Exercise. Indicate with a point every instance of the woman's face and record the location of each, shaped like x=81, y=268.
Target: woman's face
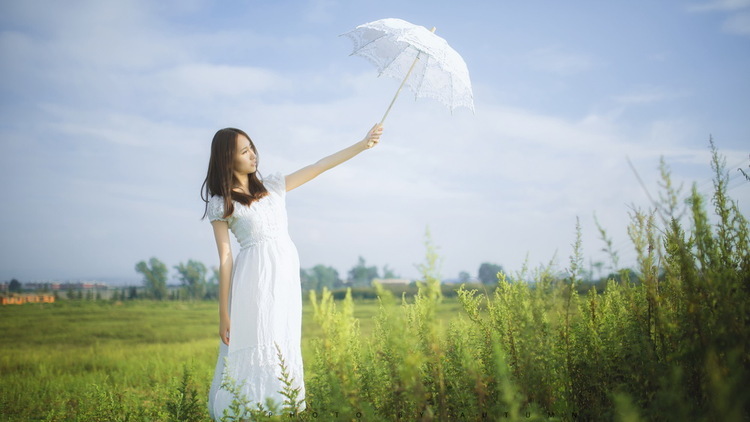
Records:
x=245, y=161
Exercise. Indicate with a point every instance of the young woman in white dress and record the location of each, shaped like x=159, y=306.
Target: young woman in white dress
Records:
x=259, y=290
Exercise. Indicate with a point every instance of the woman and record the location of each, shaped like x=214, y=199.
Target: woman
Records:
x=259, y=292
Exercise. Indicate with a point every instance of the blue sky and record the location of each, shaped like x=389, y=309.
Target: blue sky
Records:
x=107, y=110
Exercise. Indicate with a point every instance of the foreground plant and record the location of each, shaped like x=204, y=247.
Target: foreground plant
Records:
x=242, y=408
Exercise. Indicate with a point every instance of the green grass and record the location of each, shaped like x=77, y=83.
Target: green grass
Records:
x=54, y=354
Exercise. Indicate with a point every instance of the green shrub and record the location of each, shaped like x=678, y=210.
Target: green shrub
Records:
x=185, y=403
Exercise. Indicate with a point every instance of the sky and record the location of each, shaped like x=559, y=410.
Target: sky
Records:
x=108, y=108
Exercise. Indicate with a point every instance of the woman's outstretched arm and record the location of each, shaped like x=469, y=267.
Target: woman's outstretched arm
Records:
x=310, y=172
x=221, y=234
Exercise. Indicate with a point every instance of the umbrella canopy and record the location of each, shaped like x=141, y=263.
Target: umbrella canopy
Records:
x=400, y=49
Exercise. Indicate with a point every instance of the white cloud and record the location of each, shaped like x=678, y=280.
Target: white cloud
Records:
x=556, y=60
x=321, y=11
x=738, y=20
x=738, y=23
x=723, y=5
x=116, y=35
x=644, y=97
x=199, y=81
x=646, y=94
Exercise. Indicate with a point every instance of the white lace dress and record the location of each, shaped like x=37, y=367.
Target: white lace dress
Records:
x=265, y=302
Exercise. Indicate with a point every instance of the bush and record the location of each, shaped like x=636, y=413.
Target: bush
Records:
x=185, y=403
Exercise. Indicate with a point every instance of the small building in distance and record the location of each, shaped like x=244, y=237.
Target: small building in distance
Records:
x=470, y=280
x=30, y=298
x=392, y=281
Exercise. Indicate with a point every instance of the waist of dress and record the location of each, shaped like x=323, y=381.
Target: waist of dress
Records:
x=257, y=240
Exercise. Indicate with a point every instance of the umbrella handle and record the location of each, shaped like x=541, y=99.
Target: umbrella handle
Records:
x=402, y=83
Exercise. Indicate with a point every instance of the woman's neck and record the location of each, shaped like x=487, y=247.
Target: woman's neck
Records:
x=243, y=182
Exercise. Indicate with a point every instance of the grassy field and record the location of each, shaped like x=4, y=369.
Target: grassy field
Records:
x=54, y=355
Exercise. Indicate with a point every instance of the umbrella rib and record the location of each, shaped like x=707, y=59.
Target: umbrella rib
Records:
x=421, y=80
x=396, y=57
x=453, y=94
x=366, y=44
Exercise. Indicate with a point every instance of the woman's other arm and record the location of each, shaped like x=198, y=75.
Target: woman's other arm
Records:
x=310, y=172
x=221, y=234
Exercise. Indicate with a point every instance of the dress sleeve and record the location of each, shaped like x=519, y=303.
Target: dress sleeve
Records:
x=216, y=208
x=275, y=182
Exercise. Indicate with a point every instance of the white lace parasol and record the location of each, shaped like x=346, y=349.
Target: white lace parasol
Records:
x=400, y=49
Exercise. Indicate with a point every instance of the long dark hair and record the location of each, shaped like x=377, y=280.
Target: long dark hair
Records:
x=221, y=179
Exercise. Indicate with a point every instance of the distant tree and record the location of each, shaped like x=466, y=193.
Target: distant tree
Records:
x=123, y=294
x=98, y=295
x=14, y=286
x=388, y=272
x=212, y=284
x=79, y=294
x=464, y=277
x=488, y=272
x=193, y=277
x=624, y=275
x=132, y=293
x=320, y=276
x=154, y=278
x=214, y=279
x=598, y=266
x=70, y=294
x=89, y=295
x=362, y=275
x=304, y=278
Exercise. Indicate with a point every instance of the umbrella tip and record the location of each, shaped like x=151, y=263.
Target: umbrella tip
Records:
x=433, y=29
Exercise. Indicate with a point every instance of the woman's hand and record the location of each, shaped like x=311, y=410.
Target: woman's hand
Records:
x=373, y=136
x=224, y=329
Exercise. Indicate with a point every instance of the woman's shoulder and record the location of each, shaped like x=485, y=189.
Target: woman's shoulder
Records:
x=217, y=199
x=275, y=181
x=273, y=177
x=216, y=208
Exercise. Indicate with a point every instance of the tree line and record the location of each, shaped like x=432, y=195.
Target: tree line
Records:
x=197, y=283
x=192, y=276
